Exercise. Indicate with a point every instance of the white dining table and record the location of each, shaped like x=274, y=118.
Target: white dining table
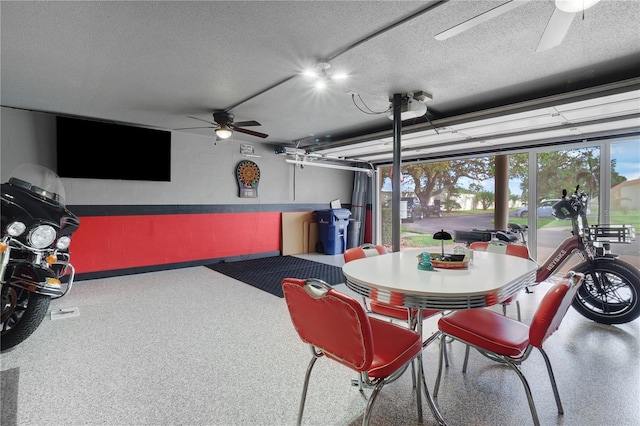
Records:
x=488, y=279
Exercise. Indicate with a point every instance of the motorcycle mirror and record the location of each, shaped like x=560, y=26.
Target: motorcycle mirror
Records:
x=564, y=193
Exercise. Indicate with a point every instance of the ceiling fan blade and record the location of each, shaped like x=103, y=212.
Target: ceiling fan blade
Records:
x=196, y=118
x=479, y=19
x=556, y=29
x=246, y=123
x=189, y=128
x=249, y=132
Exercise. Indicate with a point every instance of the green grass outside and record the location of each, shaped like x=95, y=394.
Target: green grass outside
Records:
x=413, y=238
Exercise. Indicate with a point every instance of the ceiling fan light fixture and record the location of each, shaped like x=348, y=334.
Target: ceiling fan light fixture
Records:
x=223, y=132
x=573, y=6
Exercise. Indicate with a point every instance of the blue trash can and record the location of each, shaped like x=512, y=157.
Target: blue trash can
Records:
x=332, y=230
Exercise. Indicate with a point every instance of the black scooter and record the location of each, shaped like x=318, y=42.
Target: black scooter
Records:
x=34, y=250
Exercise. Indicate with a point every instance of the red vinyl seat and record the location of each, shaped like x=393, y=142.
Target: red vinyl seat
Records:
x=337, y=326
x=507, y=340
x=503, y=248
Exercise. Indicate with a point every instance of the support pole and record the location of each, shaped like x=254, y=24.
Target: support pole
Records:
x=501, y=213
x=396, y=191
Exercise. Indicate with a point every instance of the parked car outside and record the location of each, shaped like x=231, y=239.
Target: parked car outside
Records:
x=414, y=209
x=544, y=209
x=432, y=210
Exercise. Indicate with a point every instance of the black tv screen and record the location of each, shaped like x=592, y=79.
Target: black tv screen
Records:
x=98, y=150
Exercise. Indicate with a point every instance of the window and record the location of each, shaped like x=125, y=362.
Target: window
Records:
x=463, y=190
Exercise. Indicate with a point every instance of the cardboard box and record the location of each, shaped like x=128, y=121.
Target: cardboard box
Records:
x=313, y=237
x=299, y=233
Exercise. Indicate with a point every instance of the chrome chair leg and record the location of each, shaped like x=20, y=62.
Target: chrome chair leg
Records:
x=359, y=382
x=446, y=356
x=306, y=386
x=430, y=399
x=553, y=381
x=527, y=390
x=514, y=366
x=415, y=324
x=419, y=373
x=413, y=375
x=436, y=386
x=372, y=398
x=378, y=387
x=466, y=359
x=504, y=310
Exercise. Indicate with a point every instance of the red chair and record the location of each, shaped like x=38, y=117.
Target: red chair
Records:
x=381, y=308
x=385, y=309
x=337, y=326
x=503, y=248
x=507, y=340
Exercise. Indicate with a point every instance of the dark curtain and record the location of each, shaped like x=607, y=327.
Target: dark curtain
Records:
x=360, y=209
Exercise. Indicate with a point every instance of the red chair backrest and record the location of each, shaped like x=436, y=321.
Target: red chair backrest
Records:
x=333, y=322
x=510, y=249
x=553, y=307
x=365, y=250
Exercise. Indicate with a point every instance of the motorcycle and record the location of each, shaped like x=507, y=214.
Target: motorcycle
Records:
x=610, y=290
x=34, y=250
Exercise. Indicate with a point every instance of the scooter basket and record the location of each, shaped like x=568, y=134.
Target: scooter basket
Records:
x=612, y=233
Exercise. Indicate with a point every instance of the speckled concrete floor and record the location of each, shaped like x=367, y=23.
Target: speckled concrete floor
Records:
x=194, y=347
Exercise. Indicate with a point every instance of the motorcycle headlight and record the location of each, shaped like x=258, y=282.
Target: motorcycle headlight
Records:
x=63, y=243
x=42, y=236
x=16, y=229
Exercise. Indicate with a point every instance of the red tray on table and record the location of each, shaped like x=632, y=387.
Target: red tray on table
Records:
x=446, y=262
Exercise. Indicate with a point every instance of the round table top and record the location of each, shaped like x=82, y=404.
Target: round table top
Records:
x=395, y=278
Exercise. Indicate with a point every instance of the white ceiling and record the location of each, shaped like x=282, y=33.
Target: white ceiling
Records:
x=154, y=63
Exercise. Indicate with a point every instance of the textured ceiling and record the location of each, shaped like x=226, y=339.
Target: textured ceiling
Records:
x=155, y=63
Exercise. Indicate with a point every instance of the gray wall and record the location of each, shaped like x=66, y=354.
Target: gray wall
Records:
x=201, y=172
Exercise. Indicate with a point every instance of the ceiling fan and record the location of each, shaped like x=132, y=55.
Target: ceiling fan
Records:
x=225, y=126
x=557, y=27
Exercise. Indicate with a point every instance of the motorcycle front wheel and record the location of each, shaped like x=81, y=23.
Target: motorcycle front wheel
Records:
x=616, y=302
x=22, y=313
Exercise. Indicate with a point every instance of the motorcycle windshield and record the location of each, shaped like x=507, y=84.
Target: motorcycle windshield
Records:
x=40, y=180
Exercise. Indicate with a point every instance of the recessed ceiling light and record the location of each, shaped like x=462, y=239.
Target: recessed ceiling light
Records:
x=322, y=75
x=573, y=6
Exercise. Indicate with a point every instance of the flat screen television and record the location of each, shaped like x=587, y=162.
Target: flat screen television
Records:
x=99, y=150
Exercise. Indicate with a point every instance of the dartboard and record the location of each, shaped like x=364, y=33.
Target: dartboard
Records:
x=248, y=176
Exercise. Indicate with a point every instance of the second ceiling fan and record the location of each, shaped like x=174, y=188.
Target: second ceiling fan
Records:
x=554, y=33
x=225, y=126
